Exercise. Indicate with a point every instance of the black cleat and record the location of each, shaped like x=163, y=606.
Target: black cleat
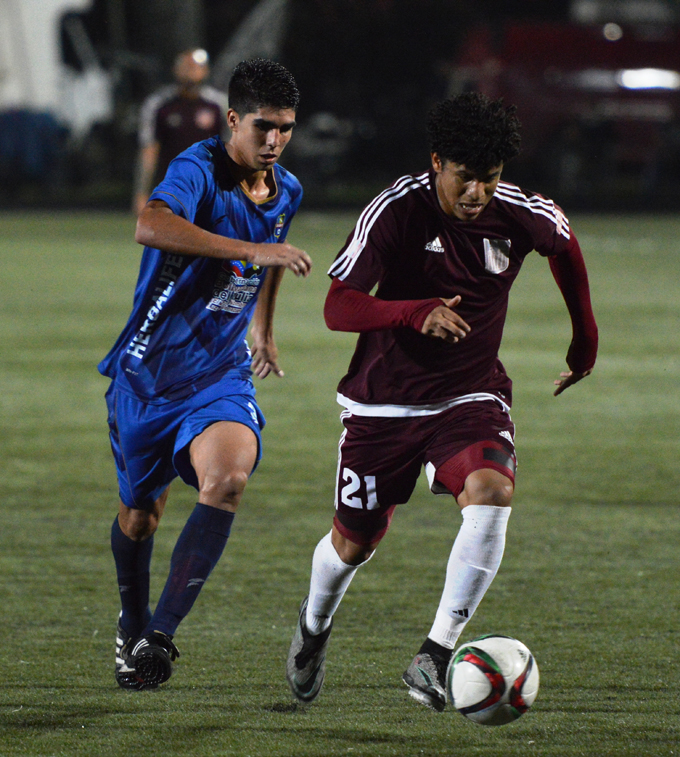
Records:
x=146, y=663
x=306, y=664
x=426, y=680
x=124, y=675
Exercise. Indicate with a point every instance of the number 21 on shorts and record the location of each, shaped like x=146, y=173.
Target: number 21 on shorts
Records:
x=358, y=493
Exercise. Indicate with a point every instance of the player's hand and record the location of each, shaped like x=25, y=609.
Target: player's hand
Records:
x=282, y=254
x=567, y=379
x=444, y=323
x=264, y=358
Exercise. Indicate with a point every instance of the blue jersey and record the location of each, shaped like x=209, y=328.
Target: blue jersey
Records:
x=190, y=315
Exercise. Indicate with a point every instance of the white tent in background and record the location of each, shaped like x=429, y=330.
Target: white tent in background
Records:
x=32, y=75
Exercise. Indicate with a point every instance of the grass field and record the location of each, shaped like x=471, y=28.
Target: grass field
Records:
x=590, y=575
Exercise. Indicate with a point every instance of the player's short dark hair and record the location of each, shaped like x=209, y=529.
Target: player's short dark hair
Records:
x=474, y=130
x=260, y=83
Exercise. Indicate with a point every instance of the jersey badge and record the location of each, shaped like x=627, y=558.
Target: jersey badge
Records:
x=280, y=223
x=205, y=119
x=435, y=245
x=496, y=255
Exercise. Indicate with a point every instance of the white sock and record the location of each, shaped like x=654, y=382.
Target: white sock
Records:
x=475, y=558
x=330, y=580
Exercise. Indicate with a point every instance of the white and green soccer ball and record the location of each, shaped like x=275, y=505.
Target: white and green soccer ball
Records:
x=492, y=680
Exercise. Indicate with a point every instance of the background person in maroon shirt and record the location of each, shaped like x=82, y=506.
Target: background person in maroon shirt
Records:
x=175, y=117
x=425, y=386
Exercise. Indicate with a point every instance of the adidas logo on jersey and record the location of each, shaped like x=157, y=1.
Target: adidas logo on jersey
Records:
x=507, y=435
x=434, y=246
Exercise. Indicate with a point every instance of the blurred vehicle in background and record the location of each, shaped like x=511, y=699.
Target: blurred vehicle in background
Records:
x=43, y=104
x=599, y=101
x=596, y=82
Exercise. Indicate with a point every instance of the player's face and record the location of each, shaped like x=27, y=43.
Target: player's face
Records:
x=464, y=193
x=192, y=68
x=257, y=139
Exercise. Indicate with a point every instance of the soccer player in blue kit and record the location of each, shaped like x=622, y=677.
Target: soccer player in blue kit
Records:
x=181, y=400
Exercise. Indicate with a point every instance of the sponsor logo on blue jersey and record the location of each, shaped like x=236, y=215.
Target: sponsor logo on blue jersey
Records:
x=236, y=285
x=165, y=286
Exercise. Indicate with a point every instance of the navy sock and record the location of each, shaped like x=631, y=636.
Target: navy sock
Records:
x=199, y=547
x=133, y=559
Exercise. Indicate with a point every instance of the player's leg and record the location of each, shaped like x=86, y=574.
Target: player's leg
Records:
x=216, y=448
x=223, y=456
x=476, y=554
x=132, y=545
x=335, y=561
x=481, y=477
x=143, y=457
x=369, y=485
x=473, y=563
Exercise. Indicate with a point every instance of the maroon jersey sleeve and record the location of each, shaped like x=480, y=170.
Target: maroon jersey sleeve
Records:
x=362, y=263
x=552, y=230
x=569, y=270
x=348, y=309
x=544, y=223
x=369, y=249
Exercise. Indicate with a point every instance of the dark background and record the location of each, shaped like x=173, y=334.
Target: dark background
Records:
x=369, y=70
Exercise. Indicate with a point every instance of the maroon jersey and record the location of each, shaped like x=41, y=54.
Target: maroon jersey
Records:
x=408, y=246
x=177, y=122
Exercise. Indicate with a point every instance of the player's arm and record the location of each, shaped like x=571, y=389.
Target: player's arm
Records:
x=147, y=160
x=159, y=227
x=569, y=271
x=349, y=309
x=264, y=350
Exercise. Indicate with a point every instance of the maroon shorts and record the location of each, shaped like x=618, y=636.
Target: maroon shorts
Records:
x=381, y=458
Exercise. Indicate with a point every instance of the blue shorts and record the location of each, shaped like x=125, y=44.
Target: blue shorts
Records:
x=150, y=442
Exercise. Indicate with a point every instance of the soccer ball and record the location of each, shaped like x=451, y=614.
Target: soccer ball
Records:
x=492, y=680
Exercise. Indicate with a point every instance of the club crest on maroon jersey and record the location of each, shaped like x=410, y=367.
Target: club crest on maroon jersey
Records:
x=496, y=255
x=205, y=119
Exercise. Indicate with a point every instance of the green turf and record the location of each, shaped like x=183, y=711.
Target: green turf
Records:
x=589, y=580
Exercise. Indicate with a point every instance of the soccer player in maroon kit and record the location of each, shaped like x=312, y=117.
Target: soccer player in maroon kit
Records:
x=425, y=386
x=174, y=118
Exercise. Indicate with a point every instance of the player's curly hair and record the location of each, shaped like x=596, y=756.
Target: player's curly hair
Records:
x=474, y=130
x=260, y=83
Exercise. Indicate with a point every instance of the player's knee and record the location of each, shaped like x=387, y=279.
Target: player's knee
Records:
x=356, y=536
x=352, y=552
x=355, y=554
x=138, y=525
x=225, y=489
x=487, y=487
